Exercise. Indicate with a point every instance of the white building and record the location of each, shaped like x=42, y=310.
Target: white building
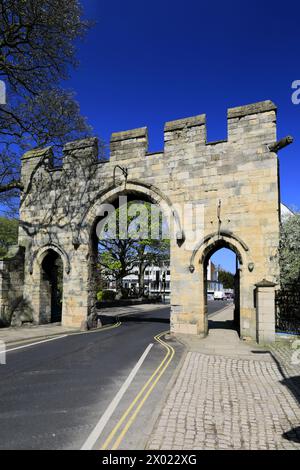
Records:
x=213, y=283
x=156, y=279
x=285, y=211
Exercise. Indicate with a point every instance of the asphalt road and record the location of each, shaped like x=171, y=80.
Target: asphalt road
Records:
x=53, y=394
x=215, y=305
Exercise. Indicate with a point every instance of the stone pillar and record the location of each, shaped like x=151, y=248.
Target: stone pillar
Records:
x=76, y=288
x=265, y=311
x=188, y=314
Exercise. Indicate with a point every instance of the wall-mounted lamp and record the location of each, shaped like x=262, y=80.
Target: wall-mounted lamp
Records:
x=250, y=267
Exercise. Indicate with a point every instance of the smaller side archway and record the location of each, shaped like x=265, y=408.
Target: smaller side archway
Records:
x=40, y=253
x=201, y=255
x=50, y=301
x=214, y=290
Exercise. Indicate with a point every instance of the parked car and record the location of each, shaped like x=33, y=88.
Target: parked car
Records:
x=228, y=296
x=219, y=295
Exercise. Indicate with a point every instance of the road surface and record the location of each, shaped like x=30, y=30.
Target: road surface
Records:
x=73, y=392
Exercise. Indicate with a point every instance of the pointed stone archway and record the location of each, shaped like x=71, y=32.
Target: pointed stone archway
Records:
x=47, y=277
x=245, y=313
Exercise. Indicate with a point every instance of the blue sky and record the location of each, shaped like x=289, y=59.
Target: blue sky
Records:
x=147, y=62
x=226, y=259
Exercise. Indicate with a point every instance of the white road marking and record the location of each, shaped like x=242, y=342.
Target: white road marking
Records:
x=95, y=434
x=37, y=342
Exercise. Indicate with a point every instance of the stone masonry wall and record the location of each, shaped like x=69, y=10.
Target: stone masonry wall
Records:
x=11, y=285
x=59, y=207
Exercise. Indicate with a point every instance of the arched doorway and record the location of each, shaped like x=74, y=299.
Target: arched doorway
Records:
x=244, y=318
x=51, y=287
x=222, y=288
x=137, y=282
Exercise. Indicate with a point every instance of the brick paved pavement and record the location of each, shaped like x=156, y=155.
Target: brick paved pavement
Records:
x=219, y=402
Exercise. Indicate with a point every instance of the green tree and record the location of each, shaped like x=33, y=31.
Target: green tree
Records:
x=226, y=278
x=289, y=250
x=37, y=48
x=8, y=234
x=119, y=257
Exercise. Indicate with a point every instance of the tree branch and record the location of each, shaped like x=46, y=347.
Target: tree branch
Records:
x=15, y=184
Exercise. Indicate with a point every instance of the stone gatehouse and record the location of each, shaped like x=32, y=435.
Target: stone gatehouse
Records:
x=235, y=180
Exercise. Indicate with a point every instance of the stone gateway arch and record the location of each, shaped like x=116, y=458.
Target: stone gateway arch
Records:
x=234, y=180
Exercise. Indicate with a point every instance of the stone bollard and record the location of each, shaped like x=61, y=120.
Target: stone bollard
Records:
x=265, y=311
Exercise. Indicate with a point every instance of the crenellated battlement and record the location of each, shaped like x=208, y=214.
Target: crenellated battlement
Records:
x=253, y=121
x=250, y=125
x=250, y=109
x=80, y=152
x=132, y=143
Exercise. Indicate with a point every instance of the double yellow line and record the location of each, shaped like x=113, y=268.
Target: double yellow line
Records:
x=129, y=416
x=98, y=330
x=108, y=327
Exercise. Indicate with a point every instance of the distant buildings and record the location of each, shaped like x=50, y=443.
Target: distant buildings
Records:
x=212, y=278
x=157, y=280
x=213, y=283
x=285, y=211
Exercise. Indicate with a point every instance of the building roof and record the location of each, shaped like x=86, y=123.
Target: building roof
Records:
x=285, y=210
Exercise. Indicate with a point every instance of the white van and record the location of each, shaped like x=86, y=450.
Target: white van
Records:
x=219, y=295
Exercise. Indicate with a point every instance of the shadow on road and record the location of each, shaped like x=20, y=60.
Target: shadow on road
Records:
x=225, y=324
x=137, y=318
x=107, y=320
x=217, y=319
x=143, y=318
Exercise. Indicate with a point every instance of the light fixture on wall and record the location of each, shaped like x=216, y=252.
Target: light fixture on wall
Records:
x=124, y=173
x=250, y=267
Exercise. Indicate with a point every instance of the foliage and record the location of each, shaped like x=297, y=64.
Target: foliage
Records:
x=119, y=257
x=226, y=278
x=289, y=250
x=37, y=48
x=106, y=295
x=99, y=295
x=8, y=234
